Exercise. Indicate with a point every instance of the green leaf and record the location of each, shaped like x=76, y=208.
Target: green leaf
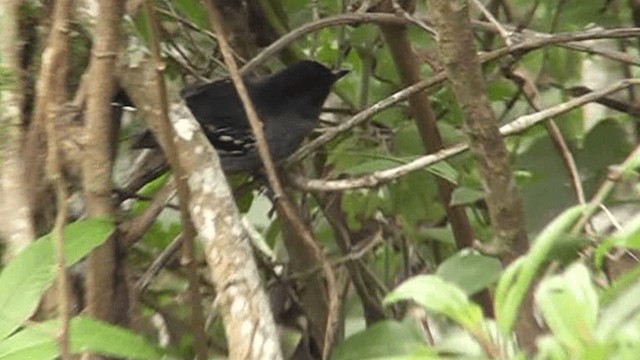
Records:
x=194, y=12
x=469, y=270
x=142, y=25
x=620, y=312
x=465, y=196
x=550, y=348
x=444, y=170
x=434, y=294
x=85, y=334
x=25, y=278
x=88, y=334
x=621, y=283
x=444, y=235
x=385, y=340
x=628, y=237
x=569, y=304
x=513, y=286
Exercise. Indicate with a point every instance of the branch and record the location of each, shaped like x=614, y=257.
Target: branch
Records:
x=616, y=173
x=50, y=95
x=438, y=78
x=16, y=226
x=344, y=19
x=105, y=280
x=285, y=207
x=171, y=151
x=408, y=66
x=522, y=123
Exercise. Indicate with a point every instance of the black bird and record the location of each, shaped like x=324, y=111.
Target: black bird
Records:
x=288, y=102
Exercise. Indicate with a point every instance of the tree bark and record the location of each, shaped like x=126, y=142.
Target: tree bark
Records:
x=16, y=227
x=458, y=50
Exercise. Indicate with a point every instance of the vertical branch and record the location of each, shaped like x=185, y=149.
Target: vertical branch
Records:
x=532, y=95
x=462, y=65
x=408, y=65
x=107, y=292
x=370, y=299
x=15, y=212
x=50, y=95
x=63, y=297
x=286, y=209
x=240, y=298
x=189, y=231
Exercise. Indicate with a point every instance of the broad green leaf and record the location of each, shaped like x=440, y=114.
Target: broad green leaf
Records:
x=569, y=304
x=443, y=298
x=445, y=171
x=465, y=196
x=85, y=334
x=469, y=270
x=142, y=25
x=500, y=90
x=621, y=284
x=512, y=289
x=622, y=311
x=194, y=11
x=550, y=348
x=36, y=342
x=444, y=235
x=415, y=198
x=88, y=334
x=628, y=237
x=548, y=192
x=25, y=278
x=546, y=171
x=385, y=340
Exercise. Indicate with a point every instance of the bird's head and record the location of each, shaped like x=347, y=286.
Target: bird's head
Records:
x=302, y=87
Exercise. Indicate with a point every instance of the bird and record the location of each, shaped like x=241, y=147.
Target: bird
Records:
x=288, y=102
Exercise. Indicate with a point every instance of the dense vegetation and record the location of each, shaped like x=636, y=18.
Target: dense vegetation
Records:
x=515, y=238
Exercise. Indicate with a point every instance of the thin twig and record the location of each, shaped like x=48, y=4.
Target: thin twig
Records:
x=615, y=174
x=587, y=48
x=501, y=30
x=189, y=232
x=50, y=95
x=284, y=205
x=533, y=97
x=438, y=78
x=132, y=230
x=159, y=263
x=520, y=124
x=343, y=19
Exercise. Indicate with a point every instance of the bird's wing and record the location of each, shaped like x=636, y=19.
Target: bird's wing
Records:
x=218, y=109
x=216, y=104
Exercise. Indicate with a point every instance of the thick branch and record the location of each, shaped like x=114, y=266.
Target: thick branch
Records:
x=324, y=327
x=240, y=300
x=522, y=123
x=408, y=65
x=409, y=68
x=15, y=213
x=107, y=293
x=171, y=151
x=438, y=78
x=462, y=65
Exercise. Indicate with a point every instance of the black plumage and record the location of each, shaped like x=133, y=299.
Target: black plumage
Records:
x=288, y=102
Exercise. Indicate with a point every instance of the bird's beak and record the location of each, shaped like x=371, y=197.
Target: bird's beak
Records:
x=337, y=74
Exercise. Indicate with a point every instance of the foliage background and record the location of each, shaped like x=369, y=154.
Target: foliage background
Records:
x=586, y=297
